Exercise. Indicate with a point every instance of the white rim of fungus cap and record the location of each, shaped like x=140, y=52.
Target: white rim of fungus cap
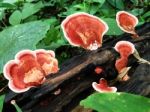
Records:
x=6, y=68
x=118, y=23
x=22, y=52
x=17, y=90
x=45, y=51
x=78, y=14
x=125, y=42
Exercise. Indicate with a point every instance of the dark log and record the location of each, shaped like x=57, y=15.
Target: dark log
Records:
x=76, y=75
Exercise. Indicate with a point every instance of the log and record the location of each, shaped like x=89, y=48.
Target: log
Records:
x=73, y=82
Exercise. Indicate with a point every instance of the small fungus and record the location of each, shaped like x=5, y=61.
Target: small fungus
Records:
x=103, y=86
x=98, y=70
x=125, y=49
x=127, y=22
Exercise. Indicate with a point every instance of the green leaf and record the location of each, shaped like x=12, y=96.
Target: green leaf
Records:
x=2, y=14
x=30, y=9
x=117, y=102
x=147, y=14
x=7, y=5
x=30, y=0
x=31, y=18
x=51, y=21
x=53, y=39
x=23, y=36
x=11, y=1
x=113, y=27
x=117, y=3
x=137, y=12
x=1, y=102
x=135, y=2
x=101, y=2
x=15, y=17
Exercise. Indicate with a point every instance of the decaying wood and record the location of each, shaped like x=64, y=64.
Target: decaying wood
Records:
x=64, y=90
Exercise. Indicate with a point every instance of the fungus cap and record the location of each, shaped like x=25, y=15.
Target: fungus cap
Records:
x=126, y=21
x=103, y=86
x=125, y=48
x=85, y=30
x=25, y=71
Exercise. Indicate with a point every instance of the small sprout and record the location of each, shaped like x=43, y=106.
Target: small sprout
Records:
x=85, y=30
x=98, y=70
x=13, y=102
x=127, y=22
x=57, y=92
x=103, y=86
x=27, y=70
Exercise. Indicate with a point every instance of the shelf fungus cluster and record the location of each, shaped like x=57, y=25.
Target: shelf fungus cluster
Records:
x=84, y=30
x=127, y=22
x=29, y=69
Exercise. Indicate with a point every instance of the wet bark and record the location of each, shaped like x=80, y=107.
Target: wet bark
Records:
x=64, y=90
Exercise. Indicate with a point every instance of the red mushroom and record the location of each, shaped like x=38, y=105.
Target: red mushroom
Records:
x=125, y=49
x=98, y=70
x=25, y=71
x=85, y=30
x=103, y=86
x=127, y=22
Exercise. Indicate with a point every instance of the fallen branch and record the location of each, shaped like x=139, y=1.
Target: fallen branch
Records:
x=75, y=78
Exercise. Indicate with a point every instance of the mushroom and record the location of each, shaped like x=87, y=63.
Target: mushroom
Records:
x=103, y=86
x=85, y=30
x=98, y=70
x=127, y=22
x=125, y=49
x=25, y=71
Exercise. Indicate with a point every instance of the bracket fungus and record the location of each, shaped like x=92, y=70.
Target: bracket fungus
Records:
x=103, y=86
x=84, y=30
x=127, y=22
x=29, y=69
x=125, y=49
